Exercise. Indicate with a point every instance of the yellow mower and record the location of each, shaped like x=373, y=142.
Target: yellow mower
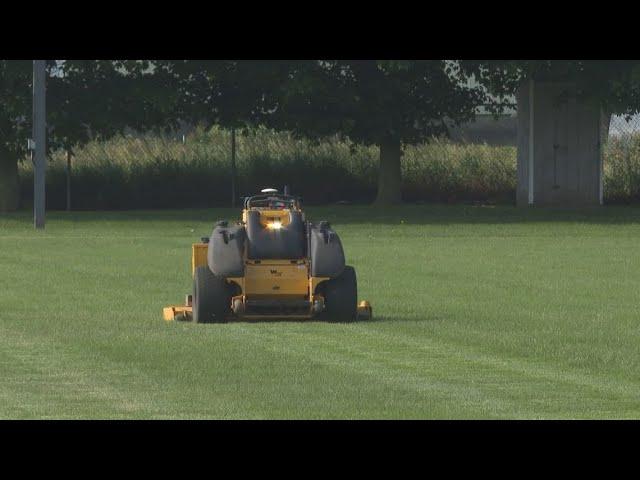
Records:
x=273, y=264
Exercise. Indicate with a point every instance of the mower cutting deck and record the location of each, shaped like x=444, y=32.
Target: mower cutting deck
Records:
x=273, y=264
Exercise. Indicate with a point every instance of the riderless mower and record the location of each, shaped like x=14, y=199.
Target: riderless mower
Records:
x=273, y=264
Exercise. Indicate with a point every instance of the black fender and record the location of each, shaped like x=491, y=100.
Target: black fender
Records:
x=327, y=254
x=225, y=252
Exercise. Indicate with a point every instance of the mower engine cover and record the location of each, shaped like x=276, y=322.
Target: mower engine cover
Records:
x=226, y=246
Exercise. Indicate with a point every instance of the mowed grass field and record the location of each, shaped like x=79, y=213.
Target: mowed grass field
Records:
x=479, y=313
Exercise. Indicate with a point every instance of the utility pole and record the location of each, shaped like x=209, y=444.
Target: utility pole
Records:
x=68, y=180
x=40, y=142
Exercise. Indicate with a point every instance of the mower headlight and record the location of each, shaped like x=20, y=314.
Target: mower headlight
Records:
x=274, y=225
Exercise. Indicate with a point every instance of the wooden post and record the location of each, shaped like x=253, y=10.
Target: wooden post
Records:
x=233, y=167
x=68, y=180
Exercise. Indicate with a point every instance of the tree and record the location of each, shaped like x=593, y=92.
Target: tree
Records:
x=232, y=94
x=85, y=99
x=384, y=103
x=375, y=102
x=15, y=112
x=88, y=99
x=613, y=84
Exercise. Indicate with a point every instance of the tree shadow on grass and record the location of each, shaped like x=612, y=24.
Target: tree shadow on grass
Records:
x=407, y=214
x=373, y=320
x=480, y=215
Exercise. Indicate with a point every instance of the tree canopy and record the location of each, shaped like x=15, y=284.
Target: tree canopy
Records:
x=15, y=126
x=613, y=84
x=223, y=92
x=85, y=99
x=373, y=100
x=386, y=103
x=89, y=98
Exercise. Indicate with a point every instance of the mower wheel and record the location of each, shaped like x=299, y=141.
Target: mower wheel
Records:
x=341, y=297
x=211, y=297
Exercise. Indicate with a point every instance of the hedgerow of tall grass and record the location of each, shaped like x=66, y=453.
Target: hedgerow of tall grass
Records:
x=444, y=171
x=152, y=171
x=622, y=169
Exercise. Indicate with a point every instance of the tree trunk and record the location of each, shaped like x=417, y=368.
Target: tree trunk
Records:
x=233, y=167
x=389, y=173
x=605, y=122
x=9, y=185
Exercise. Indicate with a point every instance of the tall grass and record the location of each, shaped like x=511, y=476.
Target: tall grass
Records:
x=160, y=172
x=622, y=169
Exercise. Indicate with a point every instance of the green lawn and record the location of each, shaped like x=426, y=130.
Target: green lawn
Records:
x=479, y=313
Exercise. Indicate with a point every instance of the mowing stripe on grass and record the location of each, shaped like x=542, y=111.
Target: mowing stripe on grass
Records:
x=479, y=313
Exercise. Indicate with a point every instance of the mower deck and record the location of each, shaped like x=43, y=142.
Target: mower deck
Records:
x=184, y=313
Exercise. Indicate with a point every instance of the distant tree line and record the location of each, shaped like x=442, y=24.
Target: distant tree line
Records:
x=387, y=103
